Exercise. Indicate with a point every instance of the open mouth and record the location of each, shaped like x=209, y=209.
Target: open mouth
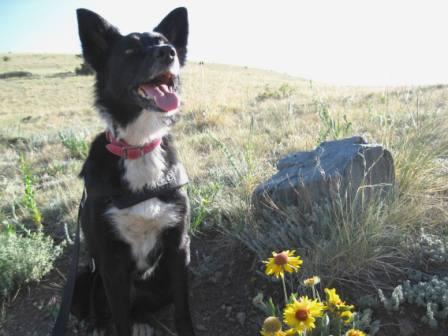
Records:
x=160, y=89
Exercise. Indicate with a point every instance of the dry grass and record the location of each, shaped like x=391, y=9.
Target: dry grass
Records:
x=236, y=123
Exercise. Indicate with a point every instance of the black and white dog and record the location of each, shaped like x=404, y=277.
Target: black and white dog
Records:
x=135, y=218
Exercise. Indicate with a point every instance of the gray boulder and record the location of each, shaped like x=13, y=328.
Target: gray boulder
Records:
x=349, y=169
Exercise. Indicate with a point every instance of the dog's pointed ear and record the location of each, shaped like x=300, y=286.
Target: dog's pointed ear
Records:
x=97, y=37
x=175, y=28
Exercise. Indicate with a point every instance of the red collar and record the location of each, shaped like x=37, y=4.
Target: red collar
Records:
x=122, y=149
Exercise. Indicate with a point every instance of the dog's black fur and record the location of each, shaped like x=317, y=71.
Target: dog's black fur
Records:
x=118, y=294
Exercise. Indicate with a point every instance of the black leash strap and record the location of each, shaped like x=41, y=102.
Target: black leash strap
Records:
x=64, y=309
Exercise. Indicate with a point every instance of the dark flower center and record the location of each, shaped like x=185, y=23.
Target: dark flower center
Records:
x=302, y=314
x=281, y=258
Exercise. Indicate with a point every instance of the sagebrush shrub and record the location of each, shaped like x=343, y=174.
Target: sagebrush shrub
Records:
x=76, y=145
x=431, y=295
x=25, y=258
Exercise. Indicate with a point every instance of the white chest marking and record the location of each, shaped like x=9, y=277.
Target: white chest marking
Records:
x=148, y=126
x=141, y=224
x=145, y=171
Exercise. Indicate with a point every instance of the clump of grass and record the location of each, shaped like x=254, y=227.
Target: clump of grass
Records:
x=202, y=203
x=331, y=129
x=283, y=91
x=15, y=74
x=29, y=199
x=232, y=160
x=77, y=146
x=84, y=69
x=6, y=58
x=347, y=243
x=24, y=258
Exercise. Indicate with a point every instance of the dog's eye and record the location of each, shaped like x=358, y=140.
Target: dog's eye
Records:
x=129, y=51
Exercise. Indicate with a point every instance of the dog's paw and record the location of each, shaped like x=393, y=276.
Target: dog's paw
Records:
x=142, y=330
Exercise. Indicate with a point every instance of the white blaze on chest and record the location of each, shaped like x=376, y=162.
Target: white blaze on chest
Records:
x=148, y=126
x=141, y=224
x=145, y=171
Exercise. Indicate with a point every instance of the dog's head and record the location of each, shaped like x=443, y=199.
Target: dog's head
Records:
x=137, y=75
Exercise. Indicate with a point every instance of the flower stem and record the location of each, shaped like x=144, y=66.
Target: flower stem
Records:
x=314, y=293
x=317, y=294
x=284, y=290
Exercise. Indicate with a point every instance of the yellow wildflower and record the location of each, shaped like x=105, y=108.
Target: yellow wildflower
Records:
x=334, y=301
x=282, y=262
x=313, y=281
x=333, y=298
x=272, y=327
x=355, y=332
x=301, y=314
x=346, y=317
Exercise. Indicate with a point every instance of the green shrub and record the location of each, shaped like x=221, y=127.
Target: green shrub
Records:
x=24, y=258
x=15, y=74
x=282, y=92
x=77, y=146
x=28, y=199
x=331, y=129
x=431, y=295
x=431, y=249
x=202, y=203
x=420, y=289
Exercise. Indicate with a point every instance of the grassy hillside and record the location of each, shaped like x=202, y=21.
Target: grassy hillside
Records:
x=235, y=124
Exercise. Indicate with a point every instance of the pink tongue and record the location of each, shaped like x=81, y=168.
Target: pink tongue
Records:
x=164, y=98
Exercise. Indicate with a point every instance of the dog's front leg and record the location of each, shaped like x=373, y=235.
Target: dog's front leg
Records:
x=179, y=284
x=177, y=250
x=116, y=280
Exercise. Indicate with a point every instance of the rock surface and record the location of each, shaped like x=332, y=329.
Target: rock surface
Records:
x=349, y=169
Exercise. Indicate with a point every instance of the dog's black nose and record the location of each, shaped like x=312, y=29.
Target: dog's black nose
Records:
x=166, y=54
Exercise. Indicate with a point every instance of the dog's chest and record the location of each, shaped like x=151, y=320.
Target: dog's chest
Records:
x=141, y=224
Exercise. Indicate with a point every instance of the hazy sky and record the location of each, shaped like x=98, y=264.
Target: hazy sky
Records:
x=377, y=42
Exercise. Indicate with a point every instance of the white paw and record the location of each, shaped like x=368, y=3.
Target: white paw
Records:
x=142, y=330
